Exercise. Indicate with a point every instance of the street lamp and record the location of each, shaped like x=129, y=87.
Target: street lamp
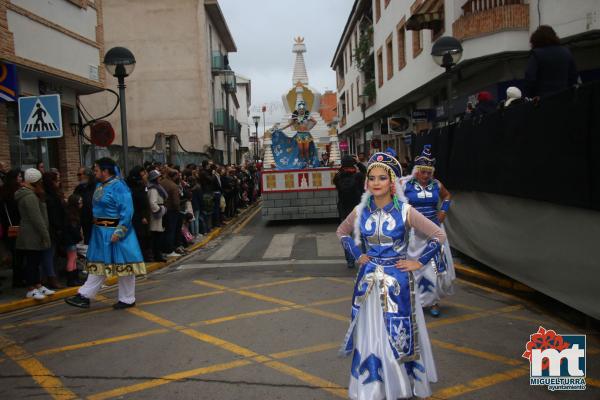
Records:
x=447, y=52
x=363, y=101
x=120, y=62
x=229, y=87
x=256, y=120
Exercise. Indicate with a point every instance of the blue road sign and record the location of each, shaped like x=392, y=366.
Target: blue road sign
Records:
x=40, y=117
x=8, y=82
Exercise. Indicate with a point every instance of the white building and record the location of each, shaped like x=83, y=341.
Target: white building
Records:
x=244, y=98
x=400, y=75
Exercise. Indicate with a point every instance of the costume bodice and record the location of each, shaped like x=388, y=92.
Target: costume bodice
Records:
x=108, y=199
x=424, y=199
x=383, y=230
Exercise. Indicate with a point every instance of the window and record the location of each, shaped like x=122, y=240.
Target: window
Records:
x=352, y=96
x=389, y=55
x=417, y=43
x=401, y=35
x=357, y=90
x=377, y=10
x=380, y=67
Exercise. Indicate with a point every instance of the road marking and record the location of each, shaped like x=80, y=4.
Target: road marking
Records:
x=328, y=245
x=221, y=343
x=341, y=280
x=92, y=343
x=480, y=383
x=281, y=246
x=469, y=317
x=476, y=353
x=264, y=263
x=42, y=375
x=243, y=224
x=306, y=350
x=168, y=379
x=327, y=314
x=151, y=317
x=232, y=247
x=308, y=378
x=179, y=298
x=277, y=283
x=240, y=316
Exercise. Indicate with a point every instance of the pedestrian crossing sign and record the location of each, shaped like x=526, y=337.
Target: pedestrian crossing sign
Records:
x=40, y=117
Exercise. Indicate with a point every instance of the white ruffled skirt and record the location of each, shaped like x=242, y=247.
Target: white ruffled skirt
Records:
x=378, y=375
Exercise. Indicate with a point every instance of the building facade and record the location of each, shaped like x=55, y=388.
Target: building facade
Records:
x=385, y=69
x=246, y=147
x=38, y=41
x=176, y=100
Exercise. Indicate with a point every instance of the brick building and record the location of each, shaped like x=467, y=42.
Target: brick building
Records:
x=396, y=72
x=57, y=48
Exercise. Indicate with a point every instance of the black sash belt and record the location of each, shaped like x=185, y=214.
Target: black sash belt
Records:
x=107, y=222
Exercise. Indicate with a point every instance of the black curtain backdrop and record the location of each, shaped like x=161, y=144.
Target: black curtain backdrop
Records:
x=548, y=152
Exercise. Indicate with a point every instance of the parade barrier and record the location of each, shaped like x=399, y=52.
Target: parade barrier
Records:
x=526, y=192
x=547, y=152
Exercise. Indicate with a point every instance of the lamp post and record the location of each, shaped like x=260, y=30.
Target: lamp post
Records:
x=447, y=52
x=363, y=100
x=256, y=120
x=229, y=87
x=120, y=63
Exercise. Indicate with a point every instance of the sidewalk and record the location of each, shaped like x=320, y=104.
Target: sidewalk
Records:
x=12, y=299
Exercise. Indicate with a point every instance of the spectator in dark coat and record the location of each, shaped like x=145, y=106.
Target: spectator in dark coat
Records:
x=485, y=104
x=137, y=181
x=171, y=185
x=85, y=189
x=551, y=67
x=9, y=215
x=56, y=209
x=350, y=184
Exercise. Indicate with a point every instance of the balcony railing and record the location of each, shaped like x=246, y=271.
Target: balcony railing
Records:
x=484, y=17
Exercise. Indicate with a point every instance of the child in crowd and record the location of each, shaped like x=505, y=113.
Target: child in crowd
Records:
x=72, y=237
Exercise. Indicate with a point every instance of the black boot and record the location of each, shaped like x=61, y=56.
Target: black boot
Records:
x=120, y=305
x=78, y=301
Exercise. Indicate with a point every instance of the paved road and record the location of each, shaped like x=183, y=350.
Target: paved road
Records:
x=258, y=314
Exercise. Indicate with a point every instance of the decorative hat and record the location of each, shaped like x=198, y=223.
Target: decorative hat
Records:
x=153, y=175
x=387, y=161
x=425, y=161
x=32, y=175
x=391, y=152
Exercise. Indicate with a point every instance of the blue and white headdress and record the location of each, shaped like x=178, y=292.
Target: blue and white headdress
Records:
x=425, y=161
x=389, y=163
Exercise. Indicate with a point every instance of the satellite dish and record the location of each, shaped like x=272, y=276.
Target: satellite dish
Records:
x=102, y=133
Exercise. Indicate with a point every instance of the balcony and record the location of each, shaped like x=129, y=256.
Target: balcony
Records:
x=484, y=17
x=218, y=61
x=219, y=118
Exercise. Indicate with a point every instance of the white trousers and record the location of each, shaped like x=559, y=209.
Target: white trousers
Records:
x=92, y=286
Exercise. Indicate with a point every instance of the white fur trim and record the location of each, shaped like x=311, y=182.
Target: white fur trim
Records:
x=364, y=200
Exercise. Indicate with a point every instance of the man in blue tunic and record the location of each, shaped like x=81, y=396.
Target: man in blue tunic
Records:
x=113, y=249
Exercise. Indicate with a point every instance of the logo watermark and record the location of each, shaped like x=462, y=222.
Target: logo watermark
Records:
x=556, y=361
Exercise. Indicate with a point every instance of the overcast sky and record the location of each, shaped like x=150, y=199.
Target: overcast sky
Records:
x=264, y=32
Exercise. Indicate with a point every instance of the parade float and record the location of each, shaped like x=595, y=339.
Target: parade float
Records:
x=294, y=184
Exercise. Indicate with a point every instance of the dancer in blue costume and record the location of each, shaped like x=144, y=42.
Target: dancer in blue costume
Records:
x=425, y=193
x=388, y=339
x=113, y=249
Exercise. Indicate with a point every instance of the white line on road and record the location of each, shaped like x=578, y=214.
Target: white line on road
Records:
x=281, y=246
x=284, y=263
x=328, y=245
x=231, y=248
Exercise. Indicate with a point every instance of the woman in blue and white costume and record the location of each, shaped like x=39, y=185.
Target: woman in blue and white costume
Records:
x=424, y=193
x=388, y=339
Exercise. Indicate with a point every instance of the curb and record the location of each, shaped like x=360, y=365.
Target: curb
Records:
x=150, y=267
x=504, y=283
